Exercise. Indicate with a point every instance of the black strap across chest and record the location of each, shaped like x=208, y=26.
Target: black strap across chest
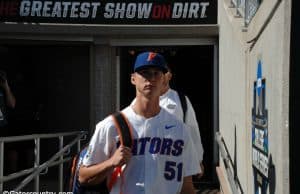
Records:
x=124, y=129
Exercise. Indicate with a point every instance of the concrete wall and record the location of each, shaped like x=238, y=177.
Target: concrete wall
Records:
x=274, y=47
x=232, y=88
x=238, y=65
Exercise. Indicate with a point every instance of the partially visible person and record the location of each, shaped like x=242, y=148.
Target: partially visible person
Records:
x=170, y=101
x=7, y=102
x=163, y=158
x=7, y=99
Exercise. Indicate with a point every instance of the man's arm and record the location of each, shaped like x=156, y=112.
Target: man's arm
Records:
x=188, y=187
x=10, y=98
x=202, y=170
x=95, y=174
x=192, y=122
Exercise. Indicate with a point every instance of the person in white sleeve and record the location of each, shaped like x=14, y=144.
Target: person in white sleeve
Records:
x=170, y=101
x=163, y=157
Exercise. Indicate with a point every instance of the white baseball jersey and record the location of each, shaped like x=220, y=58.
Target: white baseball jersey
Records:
x=162, y=153
x=171, y=102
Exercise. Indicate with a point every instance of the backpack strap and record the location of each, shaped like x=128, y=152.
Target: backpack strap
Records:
x=126, y=139
x=123, y=128
x=75, y=168
x=73, y=172
x=183, y=104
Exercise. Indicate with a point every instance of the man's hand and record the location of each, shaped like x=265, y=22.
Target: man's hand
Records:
x=121, y=156
x=94, y=174
x=188, y=186
x=202, y=171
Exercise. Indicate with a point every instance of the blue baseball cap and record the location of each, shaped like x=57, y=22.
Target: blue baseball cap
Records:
x=150, y=59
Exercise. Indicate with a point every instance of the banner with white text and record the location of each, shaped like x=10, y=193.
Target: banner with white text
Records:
x=110, y=12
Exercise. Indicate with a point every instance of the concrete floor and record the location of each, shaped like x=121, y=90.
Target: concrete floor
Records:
x=209, y=191
x=51, y=185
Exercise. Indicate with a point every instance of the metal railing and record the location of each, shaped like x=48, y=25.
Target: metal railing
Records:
x=34, y=173
x=230, y=166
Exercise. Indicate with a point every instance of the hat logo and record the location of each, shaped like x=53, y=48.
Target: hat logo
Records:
x=151, y=56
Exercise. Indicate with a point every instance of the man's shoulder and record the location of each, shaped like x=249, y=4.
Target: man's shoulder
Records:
x=171, y=117
x=105, y=124
x=108, y=121
x=178, y=94
x=172, y=92
x=127, y=110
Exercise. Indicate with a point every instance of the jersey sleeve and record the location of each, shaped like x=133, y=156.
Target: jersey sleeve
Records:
x=191, y=162
x=192, y=123
x=102, y=143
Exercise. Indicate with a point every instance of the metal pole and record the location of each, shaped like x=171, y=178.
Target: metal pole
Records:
x=78, y=146
x=215, y=106
x=36, y=164
x=118, y=81
x=1, y=165
x=246, y=16
x=238, y=2
x=61, y=165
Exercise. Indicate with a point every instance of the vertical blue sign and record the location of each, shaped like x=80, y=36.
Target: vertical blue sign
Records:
x=260, y=144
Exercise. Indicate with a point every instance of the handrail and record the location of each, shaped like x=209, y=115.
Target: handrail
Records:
x=37, y=169
x=234, y=182
x=223, y=183
x=46, y=164
x=28, y=171
x=41, y=136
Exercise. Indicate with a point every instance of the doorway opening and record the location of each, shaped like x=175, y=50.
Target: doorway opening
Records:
x=51, y=86
x=47, y=81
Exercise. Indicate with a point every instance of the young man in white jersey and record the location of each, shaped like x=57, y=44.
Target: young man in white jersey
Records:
x=170, y=101
x=163, y=158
